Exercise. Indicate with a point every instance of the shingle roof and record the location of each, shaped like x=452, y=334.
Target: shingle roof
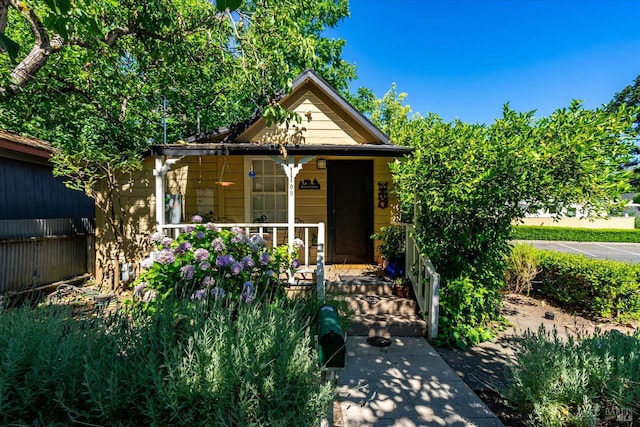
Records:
x=14, y=142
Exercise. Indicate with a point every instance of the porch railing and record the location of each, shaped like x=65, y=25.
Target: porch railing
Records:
x=277, y=234
x=425, y=280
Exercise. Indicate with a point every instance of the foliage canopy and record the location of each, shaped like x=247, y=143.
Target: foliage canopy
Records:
x=467, y=183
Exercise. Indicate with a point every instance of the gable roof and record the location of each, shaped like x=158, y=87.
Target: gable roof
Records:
x=361, y=136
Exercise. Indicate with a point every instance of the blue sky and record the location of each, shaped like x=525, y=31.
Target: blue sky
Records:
x=465, y=59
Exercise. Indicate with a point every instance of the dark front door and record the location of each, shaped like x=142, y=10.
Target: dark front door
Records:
x=350, y=211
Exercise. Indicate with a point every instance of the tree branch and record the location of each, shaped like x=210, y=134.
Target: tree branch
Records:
x=43, y=47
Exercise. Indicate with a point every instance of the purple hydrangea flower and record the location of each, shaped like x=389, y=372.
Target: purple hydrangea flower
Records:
x=217, y=292
x=295, y=263
x=264, y=258
x=270, y=273
x=247, y=262
x=166, y=242
x=199, y=294
x=211, y=226
x=201, y=254
x=147, y=263
x=165, y=257
x=224, y=260
x=208, y=281
x=298, y=243
x=187, y=272
x=183, y=248
x=187, y=229
x=204, y=265
x=236, y=268
x=138, y=291
x=258, y=240
x=156, y=237
x=149, y=295
x=200, y=235
x=248, y=291
x=218, y=245
x=196, y=219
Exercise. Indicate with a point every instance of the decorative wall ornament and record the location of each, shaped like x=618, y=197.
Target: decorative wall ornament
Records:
x=383, y=195
x=307, y=184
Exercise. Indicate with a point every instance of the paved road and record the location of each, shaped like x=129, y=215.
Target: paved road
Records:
x=628, y=252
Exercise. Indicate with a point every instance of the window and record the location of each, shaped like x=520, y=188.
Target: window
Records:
x=268, y=192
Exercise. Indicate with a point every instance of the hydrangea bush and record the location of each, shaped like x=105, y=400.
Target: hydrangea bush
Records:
x=205, y=262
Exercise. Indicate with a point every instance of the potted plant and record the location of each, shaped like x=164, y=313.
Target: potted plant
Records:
x=402, y=288
x=392, y=249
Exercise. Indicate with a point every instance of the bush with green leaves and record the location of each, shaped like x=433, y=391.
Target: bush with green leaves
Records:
x=583, y=381
x=600, y=288
x=521, y=268
x=465, y=184
x=528, y=232
x=467, y=313
x=392, y=241
x=232, y=364
x=204, y=260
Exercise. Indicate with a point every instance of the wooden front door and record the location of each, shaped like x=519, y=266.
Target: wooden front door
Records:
x=349, y=211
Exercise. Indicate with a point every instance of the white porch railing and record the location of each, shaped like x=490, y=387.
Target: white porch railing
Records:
x=425, y=280
x=276, y=233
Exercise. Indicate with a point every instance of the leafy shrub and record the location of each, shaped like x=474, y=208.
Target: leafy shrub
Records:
x=204, y=260
x=601, y=288
x=467, y=313
x=526, y=232
x=577, y=381
x=215, y=364
x=392, y=241
x=521, y=268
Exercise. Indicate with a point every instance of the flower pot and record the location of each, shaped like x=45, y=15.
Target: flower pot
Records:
x=402, y=291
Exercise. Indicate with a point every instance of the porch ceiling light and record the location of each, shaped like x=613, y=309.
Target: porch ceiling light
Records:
x=321, y=164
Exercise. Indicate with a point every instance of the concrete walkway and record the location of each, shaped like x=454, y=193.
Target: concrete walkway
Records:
x=406, y=384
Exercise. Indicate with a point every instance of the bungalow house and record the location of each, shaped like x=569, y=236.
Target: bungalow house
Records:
x=326, y=180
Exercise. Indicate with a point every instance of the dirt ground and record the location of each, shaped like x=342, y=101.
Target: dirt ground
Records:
x=483, y=366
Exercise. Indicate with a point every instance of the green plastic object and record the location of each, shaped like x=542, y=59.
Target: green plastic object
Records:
x=331, y=348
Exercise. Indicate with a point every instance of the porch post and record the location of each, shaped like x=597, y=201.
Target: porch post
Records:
x=291, y=169
x=160, y=172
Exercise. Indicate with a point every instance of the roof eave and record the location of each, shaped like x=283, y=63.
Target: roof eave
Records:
x=237, y=149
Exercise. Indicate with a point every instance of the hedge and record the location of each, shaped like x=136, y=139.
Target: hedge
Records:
x=527, y=232
x=600, y=288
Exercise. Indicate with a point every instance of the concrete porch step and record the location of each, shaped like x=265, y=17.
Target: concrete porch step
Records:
x=380, y=304
x=354, y=288
x=387, y=325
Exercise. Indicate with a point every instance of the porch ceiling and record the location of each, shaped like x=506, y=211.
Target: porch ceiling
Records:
x=242, y=149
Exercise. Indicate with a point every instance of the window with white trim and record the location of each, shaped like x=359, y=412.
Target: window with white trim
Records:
x=268, y=197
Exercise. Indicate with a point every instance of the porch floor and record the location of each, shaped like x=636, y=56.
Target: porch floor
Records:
x=341, y=273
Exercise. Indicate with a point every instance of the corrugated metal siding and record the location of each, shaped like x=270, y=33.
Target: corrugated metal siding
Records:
x=28, y=190
x=26, y=228
x=36, y=262
x=42, y=251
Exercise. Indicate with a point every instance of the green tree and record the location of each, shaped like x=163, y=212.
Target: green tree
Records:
x=630, y=96
x=105, y=68
x=465, y=184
